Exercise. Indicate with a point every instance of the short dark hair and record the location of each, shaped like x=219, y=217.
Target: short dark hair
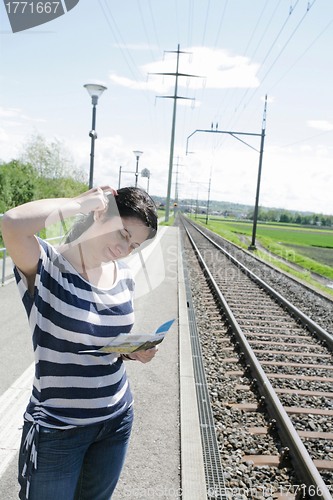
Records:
x=131, y=202
x=134, y=202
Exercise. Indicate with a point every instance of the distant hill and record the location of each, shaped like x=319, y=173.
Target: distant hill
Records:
x=235, y=208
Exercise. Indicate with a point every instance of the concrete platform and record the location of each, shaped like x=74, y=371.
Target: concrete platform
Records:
x=165, y=457
x=164, y=460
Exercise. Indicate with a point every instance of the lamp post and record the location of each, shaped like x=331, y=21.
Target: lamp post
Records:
x=119, y=177
x=95, y=91
x=137, y=155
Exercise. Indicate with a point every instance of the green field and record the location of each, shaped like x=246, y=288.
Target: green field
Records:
x=284, y=234
x=310, y=248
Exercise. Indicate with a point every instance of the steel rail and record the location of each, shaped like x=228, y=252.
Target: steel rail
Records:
x=300, y=457
x=314, y=327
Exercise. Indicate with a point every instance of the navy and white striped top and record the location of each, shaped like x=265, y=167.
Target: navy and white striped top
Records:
x=68, y=315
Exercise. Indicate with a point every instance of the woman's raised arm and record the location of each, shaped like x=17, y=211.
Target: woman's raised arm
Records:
x=20, y=224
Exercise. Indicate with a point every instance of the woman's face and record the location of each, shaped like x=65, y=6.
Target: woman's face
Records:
x=118, y=237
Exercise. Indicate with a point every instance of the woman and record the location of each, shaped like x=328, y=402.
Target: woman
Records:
x=77, y=297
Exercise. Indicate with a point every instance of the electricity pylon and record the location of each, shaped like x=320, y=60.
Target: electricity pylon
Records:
x=173, y=129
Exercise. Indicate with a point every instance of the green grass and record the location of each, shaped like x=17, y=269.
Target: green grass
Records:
x=220, y=229
x=297, y=258
x=169, y=223
x=280, y=225
x=305, y=276
x=300, y=236
x=273, y=239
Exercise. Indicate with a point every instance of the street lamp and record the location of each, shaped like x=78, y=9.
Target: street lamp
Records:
x=95, y=91
x=137, y=155
x=119, y=177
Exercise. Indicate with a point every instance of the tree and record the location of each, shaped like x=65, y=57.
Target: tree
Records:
x=261, y=214
x=51, y=159
x=329, y=220
x=284, y=217
x=56, y=173
x=272, y=215
x=306, y=219
x=17, y=184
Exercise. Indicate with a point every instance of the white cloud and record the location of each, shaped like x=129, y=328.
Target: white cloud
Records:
x=234, y=172
x=305, y=148
x=324, y=125
x=189, y=103
x=235, y=177
x=215, y=68
x=8, y=113
x=134, y=84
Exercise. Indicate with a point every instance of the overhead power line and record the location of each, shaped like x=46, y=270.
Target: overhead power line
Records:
x=285, y=45
x=269, y=51
x=204, y=33
x=236, y=88
x=275, y=60
x=255, y=28
x=190, y=22
x=145, y=93
x=303, y=54
x=145, y=29
x=120, y=47
x=152, y=16
x=264, y=33
x=291, y=10
x=221, y=22
x=177, y=23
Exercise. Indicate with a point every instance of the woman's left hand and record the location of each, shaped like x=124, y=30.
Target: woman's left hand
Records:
x=145, y=356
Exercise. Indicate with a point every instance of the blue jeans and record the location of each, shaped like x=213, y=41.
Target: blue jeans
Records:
x=83, y=463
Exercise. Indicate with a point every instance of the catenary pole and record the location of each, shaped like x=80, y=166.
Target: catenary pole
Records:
x=261, y=152
x=256, y=208
x=207, y=215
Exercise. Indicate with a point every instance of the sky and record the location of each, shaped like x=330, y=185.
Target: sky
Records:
x=238, y=51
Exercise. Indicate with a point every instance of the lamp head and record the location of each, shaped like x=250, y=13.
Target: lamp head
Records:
x=95, y=91
x=138, y=153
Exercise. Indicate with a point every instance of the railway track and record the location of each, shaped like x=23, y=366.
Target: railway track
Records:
x=269, y=370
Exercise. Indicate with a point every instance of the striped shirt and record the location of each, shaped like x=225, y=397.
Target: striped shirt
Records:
x=67, y=315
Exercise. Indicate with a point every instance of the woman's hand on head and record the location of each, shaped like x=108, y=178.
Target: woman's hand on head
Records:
x=94, y=199
x=145, y=356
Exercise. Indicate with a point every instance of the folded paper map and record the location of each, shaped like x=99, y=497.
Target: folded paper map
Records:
x=130, y=342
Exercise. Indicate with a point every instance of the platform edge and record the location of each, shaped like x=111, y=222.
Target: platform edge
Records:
x=192, y=464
